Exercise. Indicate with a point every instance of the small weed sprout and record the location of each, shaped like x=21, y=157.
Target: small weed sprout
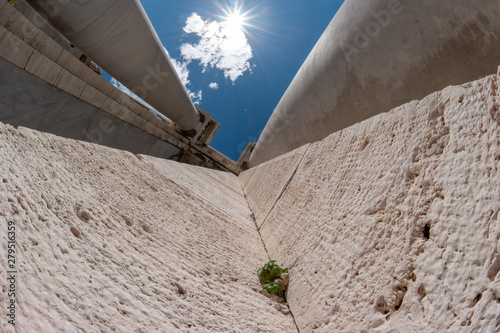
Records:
x=273, y=278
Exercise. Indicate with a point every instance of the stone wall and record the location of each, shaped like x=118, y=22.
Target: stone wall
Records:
x=388, y=225
x=112, y=241
x=391, y=225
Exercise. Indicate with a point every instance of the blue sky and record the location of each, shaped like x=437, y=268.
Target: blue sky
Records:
x=239, y=82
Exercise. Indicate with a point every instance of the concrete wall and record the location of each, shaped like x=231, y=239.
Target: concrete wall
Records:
x=111, y=241
x=28, y=101
x=39, y=22
x=377, y=55
x=45, y=87
x=388, y=225
x=119, y=37
x=392, y=224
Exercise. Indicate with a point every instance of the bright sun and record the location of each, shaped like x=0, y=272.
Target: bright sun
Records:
x=234, y=19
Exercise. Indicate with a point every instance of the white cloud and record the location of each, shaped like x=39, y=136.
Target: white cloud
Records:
x=221, y=45
x=213, y=85
x=181, y=67
x=183, y=72
x=194, y=23
x=195, y=97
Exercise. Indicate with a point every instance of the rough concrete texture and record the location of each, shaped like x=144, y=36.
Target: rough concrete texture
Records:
x=264, y=185
x=391, y=225
x=111, y=241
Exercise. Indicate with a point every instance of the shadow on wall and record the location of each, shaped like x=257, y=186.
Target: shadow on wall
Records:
x=36, y=104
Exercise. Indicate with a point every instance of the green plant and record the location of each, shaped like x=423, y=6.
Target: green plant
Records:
x=273, y=278
x=13, y=2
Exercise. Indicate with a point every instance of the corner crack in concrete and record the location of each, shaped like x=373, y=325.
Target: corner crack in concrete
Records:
x=262, y=240
x=284, y=187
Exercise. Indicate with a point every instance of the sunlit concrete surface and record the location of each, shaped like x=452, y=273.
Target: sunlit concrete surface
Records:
x=118, y=36
x=392, y=224
x=376, y=55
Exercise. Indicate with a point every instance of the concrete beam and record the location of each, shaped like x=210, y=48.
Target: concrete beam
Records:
x=377, y=55
x=118, y=37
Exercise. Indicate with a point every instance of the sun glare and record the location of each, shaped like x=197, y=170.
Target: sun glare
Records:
x=235, y=19
x=235, y=23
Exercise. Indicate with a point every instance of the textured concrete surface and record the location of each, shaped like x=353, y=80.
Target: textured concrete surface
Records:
x=200, y=181
x=377, y=55
x=392, y=225
x=118, y=37
x=111, y=241
x=264, y=185
x=52, y=43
